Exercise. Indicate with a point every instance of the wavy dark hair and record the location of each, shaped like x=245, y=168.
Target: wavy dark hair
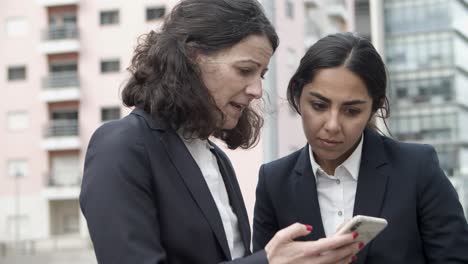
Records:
x=355, y=53
x=166, y=82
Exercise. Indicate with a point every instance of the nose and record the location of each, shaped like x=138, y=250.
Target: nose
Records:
x=255, y=89
x=332, y=124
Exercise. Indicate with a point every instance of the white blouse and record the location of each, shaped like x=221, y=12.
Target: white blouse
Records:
x=336, y=193
x=206, y=161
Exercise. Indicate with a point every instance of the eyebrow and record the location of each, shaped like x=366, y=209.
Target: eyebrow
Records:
x=251, y=61
x=323, y=98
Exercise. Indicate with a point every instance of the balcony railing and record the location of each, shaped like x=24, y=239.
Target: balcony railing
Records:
x=61, y=128
x=63, y=179
x=60, y=32
x=61, y=80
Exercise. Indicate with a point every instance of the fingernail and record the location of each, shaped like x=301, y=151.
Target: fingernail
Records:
x=355, y=234
x=309, y=227
x=361, y=245
x=354, y=258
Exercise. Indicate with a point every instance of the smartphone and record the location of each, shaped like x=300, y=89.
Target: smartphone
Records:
x=366, y=226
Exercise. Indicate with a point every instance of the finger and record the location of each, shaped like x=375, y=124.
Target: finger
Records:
x=327, y=244
x=293, y=231
x=342, y=255
x=342, y=224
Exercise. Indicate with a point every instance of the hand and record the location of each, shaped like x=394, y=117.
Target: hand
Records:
x=282, y=248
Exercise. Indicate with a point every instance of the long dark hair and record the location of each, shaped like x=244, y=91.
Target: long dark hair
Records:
x=355, y=53
x=166, y=82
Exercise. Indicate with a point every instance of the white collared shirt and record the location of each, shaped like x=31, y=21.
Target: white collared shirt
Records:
x=206, y=161
x=336, y=193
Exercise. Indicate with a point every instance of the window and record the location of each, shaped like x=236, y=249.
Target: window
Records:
x=112, y=65
x=154, y=13
x=109, y=17
x=289, y=8
x=110, y=113
x=71, y=224
x=17, y=120
x=16, y=73
x=16, y=27
x=17, y=168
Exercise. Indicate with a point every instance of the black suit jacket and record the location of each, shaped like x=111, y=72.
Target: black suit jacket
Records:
x=146, y=201
x=400, y=182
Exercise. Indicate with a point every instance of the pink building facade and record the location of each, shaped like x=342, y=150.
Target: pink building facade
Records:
x=62, y=69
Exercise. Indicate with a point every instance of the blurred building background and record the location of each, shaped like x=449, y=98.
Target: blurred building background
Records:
x=63, y=64
x=425, y=45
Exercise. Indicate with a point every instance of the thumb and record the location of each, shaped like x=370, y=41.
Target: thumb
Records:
x=293, y=231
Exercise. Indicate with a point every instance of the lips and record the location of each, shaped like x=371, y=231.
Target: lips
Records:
x=239, y=106
x=329, y=143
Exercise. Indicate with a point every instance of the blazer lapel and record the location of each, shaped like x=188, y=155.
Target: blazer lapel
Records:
x=372, y=181
x=235, y=199
x=305, y=196
x=193, y=178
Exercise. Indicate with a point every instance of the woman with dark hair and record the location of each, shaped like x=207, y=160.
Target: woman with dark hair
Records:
x=348, y=168
x=155, y=189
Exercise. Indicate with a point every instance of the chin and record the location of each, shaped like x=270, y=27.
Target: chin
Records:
x=230, y=124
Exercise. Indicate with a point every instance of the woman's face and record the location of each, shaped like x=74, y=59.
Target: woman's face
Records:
x=234, y=75
x=335, y=108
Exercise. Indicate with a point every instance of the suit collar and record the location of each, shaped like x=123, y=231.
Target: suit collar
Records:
x=372, y=183
x=351, y=164
x=235, y=196
x=373, y=175
x=195, y=182
x=305, y=195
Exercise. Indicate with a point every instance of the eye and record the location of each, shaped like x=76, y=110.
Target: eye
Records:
x=245, y=71
x=263, y=75
x=352, y=111
x=319, y=106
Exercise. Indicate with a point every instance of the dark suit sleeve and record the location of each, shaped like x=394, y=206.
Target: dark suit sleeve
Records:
x=264, y=223
x=117, y=201
x=443, y=226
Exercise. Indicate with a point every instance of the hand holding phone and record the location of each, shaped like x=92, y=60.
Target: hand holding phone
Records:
x=366, y=226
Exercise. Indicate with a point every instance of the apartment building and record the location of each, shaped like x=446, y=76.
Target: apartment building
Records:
x=62, y=69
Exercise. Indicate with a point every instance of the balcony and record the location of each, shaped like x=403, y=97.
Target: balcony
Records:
x=337, y=9
x=62, y=185
x=62, y=135
x=50, y=3
x=60, y=39
x=61, y=87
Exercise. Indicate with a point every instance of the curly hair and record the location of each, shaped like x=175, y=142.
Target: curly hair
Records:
x=166, y=82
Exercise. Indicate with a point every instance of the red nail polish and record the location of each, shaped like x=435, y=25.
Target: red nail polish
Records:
x=354, y=258
x=361, y=245
x=355, y=234
x=309, y=227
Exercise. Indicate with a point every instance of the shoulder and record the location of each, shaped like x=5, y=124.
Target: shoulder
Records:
x=285, y=165
x=407, y=151
x=116, y=135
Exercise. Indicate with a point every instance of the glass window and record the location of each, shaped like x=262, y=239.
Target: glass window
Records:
x=289, y=9
x=17, y=120
x=18, y=168
x=110, y=113
x=109, y=17
x=16, y=73
x=111, y=65
x=154, y=13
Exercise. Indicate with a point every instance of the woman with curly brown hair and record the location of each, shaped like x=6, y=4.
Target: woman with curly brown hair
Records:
x=155, y=189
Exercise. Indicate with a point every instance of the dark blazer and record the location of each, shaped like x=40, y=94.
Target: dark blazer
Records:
x=400, y=182
x=146, y=201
